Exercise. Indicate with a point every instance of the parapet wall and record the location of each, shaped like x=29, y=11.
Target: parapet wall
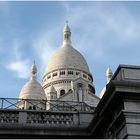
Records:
x=43, y=123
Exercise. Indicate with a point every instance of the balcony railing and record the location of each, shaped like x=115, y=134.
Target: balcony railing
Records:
x=49, y=105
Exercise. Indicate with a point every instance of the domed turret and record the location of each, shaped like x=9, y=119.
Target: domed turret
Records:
x=109, y=74
x=32, y=89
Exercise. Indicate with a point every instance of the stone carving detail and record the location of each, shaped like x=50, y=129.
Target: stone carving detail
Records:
x=9, y=117
x=47, y=118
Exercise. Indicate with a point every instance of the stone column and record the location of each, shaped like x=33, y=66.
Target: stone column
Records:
x=80, y=94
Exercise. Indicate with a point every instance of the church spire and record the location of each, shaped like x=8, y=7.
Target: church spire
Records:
x=109, y=74
x=33, y=71
x=66, y=35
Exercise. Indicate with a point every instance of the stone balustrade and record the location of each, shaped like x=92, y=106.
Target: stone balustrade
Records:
x=9, y=116
x=46, y=118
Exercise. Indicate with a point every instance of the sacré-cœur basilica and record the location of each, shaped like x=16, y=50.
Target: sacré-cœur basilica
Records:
x=65, y=104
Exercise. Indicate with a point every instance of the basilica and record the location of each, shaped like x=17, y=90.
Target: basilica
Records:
x=64, y=105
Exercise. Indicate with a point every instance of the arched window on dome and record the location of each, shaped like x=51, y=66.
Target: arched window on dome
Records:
x=54, y=74
x=34, y=107
x=62, y=92
x=70, y=72
x=70, y=91
x=77, y=73
x=51, y=97
x=49, y=76
x=30, y=107
x=62, y=72
x=84, y=76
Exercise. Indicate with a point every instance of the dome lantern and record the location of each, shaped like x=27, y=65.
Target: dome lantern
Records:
x=66, y=35
x=33, y=71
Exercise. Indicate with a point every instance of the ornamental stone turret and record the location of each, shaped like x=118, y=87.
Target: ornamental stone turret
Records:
x=109, y=74
x=66, y=35
x=32, y=90
x=52, y=95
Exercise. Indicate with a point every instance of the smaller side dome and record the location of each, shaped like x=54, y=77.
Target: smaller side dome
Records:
x=32, y=89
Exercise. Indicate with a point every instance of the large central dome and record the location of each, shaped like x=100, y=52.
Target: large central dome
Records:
x=68, y=73
x=67, y=57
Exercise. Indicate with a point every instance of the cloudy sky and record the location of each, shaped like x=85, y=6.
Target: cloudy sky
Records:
x=106, y=33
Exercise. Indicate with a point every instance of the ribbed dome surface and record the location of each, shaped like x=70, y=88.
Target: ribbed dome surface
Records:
x=67, y=57
x=32, y=90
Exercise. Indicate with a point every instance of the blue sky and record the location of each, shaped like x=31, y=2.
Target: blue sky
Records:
x=106, y=33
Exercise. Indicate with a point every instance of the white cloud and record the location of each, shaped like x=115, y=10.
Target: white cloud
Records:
x=45, y=45
x=43, y=49
x=20, y=67
x=101, y=21
x=100, y=31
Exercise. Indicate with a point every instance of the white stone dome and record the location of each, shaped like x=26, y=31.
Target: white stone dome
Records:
x=32, y=89
x=67, y=57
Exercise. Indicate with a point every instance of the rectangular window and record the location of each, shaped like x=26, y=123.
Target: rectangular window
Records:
x=62, y=72
x=49, y=76
x=70, y=72
x=54, y=74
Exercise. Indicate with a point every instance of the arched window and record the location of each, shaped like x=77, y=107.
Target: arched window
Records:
x=70, y=90
x=70, y=72
x=54, y=74
x=34, y=107
x=62, y=72
x=30, y=107
x=51, y=97
x=62, y=92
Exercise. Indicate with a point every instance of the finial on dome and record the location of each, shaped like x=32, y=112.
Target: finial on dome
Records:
x=67, y=22
x=33, y=71
x=66, y=35
x=109, y=74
